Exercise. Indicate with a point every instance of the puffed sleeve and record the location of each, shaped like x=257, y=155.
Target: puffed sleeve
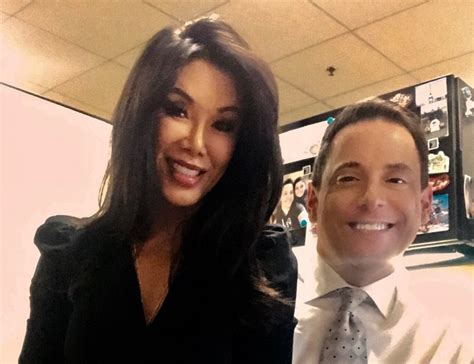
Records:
x=279, y=266
x=277, y=261
x=49, y=305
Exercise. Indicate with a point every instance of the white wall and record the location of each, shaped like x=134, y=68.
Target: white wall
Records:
x=52, y=162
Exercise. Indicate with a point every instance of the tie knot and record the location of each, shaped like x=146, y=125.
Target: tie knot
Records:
x=351, y=298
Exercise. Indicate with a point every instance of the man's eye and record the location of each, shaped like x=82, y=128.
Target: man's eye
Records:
x=346, y=179
x=226, y=126
x=174, y=110
x=396, y=180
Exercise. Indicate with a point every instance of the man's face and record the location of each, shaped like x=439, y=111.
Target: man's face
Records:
x=370, y=203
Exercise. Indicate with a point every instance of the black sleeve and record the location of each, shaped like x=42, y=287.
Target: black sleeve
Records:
x=277, y=261
x=49, y=304
x=279, y=265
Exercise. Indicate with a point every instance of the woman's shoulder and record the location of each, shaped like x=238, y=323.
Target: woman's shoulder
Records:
x=274, y=240
x=58, y=234
x=276, y=259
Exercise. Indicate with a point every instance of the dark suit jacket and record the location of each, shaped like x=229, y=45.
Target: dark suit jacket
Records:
x=86, y=307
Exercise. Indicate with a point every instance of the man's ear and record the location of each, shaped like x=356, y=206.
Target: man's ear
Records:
x=426, y=202
x=312, y=203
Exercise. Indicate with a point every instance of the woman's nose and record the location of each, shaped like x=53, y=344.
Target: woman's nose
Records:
x=196, y=139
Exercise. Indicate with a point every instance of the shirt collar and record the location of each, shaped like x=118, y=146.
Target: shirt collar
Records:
x=383, y=292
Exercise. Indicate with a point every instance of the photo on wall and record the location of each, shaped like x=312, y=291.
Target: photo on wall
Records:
x=467, y=103
x=405, y=98
x=439, y=216
x=432, y=98
x=291, y=210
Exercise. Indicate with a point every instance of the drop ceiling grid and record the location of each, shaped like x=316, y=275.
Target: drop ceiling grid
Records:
x=285, y=33
x=355, y=62
x=181, y=11
x=104, y=28
x=40, y=57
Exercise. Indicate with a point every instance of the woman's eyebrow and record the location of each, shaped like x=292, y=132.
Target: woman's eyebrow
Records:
x=190, y=100
x=182, y=93
x=229, y=108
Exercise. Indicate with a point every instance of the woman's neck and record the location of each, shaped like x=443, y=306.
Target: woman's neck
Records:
x=286, y=209
x=166, y=231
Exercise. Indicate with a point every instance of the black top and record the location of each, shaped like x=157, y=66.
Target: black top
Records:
x=289, y=220
x=86, y=307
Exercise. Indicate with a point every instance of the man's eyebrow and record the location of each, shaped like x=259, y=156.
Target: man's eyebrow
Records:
x=398, y=167
x=349, y=164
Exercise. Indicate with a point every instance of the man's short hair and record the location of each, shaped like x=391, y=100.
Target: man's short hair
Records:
x=368, y=111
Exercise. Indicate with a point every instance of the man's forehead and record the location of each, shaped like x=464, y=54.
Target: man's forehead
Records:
x=377, y=142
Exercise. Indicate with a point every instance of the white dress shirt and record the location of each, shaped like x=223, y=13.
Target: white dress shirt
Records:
x=399, y=330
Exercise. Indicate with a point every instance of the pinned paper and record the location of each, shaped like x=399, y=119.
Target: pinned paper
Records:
x=438, y=163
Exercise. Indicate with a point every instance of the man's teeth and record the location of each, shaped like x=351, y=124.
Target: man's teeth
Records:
x=184, y=170
x=377, y=226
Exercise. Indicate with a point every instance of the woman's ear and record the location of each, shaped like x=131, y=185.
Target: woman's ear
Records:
x=312, y=203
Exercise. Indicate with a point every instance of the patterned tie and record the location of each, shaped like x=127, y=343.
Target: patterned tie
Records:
x=346, y=339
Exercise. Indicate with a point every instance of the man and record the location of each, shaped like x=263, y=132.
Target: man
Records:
x=369, y=195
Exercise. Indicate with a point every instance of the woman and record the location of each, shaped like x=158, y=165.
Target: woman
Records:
x=301, y=193
x=174, y=268
x=290, y=213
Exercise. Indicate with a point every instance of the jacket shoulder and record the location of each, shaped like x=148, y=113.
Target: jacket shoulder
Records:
x=57, y=234
x=276, y=259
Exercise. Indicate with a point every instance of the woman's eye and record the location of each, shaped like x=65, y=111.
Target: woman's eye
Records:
x=174, y=110
x=345, y=179
x=226, y=126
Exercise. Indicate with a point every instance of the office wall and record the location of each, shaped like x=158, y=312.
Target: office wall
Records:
x=52, y=162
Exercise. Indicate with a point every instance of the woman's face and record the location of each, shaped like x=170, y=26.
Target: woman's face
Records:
x=197, y=131
x=300, y=188
x=287, y=196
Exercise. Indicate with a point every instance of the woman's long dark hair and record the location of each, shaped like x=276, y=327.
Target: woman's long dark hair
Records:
x=219, y=240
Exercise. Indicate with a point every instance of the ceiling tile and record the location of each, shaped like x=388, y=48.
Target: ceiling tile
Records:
x=375, y=89
x=99, y=87
x=354, y=14
x=186, y=9
x=12, y=6
x=425, y=34
x=107, y=28
x=128, y=59
x=3, y=17
x=462, y=67
x=28, y=86
x=356, y=65
x=62, y=99
x=291, y=98
x=302, y=113
x=31, y=54
x=278, y=28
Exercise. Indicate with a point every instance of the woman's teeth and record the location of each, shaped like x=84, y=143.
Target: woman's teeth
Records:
x=184, y=170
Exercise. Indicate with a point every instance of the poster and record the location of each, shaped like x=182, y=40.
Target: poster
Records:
x=291, y=211
x=302, y=143
x=432, y=98
x=439, y=216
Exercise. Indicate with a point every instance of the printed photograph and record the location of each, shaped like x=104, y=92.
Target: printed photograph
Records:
x=291, y=210
x=439, y=216
x=432, y=98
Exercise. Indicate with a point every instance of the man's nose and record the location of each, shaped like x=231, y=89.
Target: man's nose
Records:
x=372, y=196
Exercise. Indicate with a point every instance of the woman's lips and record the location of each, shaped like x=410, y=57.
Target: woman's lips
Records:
x=185, y=174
